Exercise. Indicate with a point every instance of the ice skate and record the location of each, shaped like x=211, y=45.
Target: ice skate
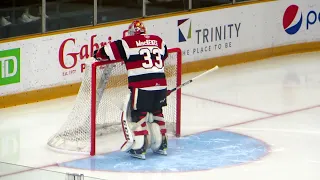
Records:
x=163, y=147
x=139, y=153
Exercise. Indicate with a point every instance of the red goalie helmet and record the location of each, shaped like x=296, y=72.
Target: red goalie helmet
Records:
x=136, y=28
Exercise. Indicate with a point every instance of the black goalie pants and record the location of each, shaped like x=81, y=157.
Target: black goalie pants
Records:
x=143, y=101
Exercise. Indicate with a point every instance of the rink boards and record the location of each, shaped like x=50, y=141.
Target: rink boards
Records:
x=51, y=65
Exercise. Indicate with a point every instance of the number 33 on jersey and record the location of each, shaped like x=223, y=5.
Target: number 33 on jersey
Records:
x=144, y=57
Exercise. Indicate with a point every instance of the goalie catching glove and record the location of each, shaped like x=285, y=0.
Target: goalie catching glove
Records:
x=100, y=55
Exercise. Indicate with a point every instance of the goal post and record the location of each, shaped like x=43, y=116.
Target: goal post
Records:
x=97, y=108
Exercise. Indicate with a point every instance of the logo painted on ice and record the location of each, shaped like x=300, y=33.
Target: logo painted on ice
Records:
x=184, y=29
x=292, y=19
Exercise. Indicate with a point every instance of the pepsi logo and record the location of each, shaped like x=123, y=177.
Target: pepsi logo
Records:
x=292, y=19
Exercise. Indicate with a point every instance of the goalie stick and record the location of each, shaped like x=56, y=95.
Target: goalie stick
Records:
x=191, y=80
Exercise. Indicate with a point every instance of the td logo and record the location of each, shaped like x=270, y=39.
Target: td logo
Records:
x=293, y=19
x=9, y=66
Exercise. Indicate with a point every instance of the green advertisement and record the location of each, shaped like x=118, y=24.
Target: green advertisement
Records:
x=9, y=66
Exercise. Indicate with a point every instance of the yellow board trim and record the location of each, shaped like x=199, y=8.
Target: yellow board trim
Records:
x=127, y=21
x=69, y=90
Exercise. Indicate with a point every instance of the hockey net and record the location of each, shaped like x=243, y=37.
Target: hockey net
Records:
x=97, y=109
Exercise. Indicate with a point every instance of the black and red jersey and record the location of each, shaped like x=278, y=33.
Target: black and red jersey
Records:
x=144, y=57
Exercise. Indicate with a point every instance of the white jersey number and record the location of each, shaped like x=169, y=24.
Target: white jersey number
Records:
x=147, y=57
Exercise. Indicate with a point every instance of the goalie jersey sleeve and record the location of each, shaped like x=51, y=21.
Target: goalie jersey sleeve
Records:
x=144, y=57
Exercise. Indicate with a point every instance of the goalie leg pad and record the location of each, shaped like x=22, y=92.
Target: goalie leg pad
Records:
x=135, y=134
x=125, y=119
x=127, y=134
x=134, y=127
x=140, y=134
x=156, y=137
x=159, y=119
x=158, y=131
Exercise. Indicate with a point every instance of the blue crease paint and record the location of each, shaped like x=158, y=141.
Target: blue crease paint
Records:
x=202, y=151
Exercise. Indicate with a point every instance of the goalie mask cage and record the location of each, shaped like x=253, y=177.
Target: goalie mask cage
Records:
x=97, y=109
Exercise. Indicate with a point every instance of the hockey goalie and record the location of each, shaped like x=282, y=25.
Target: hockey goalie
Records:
x=142, y=118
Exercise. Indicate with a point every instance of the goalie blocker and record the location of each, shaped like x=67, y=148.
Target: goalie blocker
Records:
x=143, y=122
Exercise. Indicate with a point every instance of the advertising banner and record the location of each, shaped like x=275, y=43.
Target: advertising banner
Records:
x=297, y=22
x=10, y=66
x=57, y=60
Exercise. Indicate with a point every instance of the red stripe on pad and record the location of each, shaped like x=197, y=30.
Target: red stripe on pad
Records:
x=143, y=124
x=159, y=115
x=141, y=133
x=163, y=131
x=160, y=123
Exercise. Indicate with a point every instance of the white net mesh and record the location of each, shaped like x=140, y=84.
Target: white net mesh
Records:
x=111, y=88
